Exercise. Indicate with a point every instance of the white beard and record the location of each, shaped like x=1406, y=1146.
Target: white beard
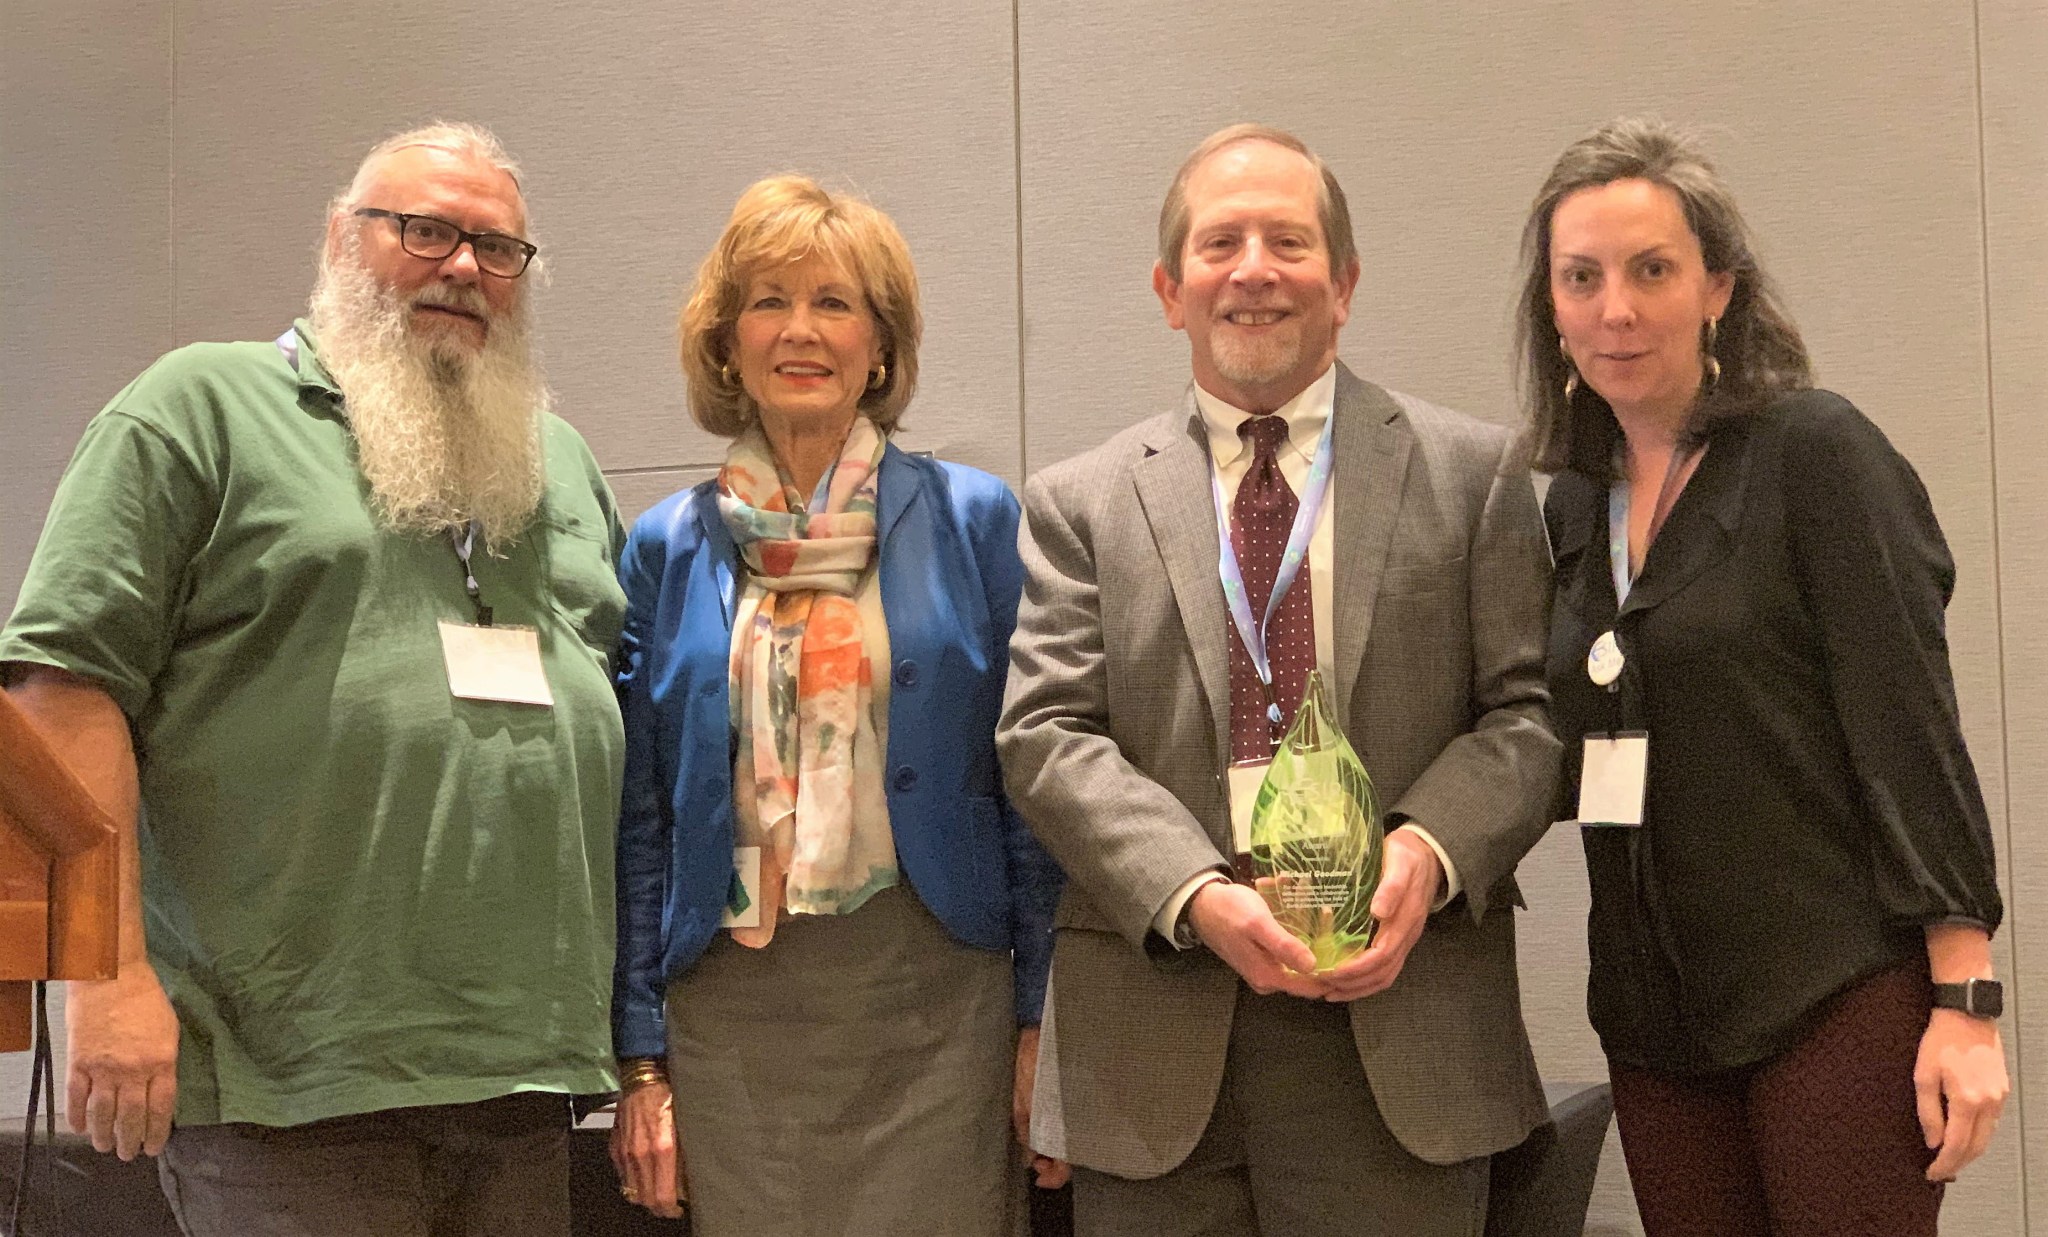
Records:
x=445, y=434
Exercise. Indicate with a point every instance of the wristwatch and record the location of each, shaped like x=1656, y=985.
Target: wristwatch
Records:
x=1979, y=998
x=1184, y=934
x=1183, y=927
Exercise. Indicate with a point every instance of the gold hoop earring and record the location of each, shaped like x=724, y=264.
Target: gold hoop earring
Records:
x=878, y=379
x=1708, y=361
x=725, y=374
x=1571, y=371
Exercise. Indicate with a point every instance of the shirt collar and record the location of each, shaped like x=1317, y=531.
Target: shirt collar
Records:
x=311, y=373
x=1305, y=415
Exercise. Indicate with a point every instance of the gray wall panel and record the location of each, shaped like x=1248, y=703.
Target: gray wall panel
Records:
x=638, y=489
x=652, y=121
x=1441, y=121
x=85, y=288
x=2014, y=42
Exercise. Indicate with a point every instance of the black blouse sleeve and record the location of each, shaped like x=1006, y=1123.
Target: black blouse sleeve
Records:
x=1876, y=576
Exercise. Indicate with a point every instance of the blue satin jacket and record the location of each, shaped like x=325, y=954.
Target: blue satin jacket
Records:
x=950, y=579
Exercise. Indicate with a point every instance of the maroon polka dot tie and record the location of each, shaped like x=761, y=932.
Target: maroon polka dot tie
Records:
x=1260, y=519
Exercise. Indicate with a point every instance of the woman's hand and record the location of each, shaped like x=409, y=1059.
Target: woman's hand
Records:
x=1959, y=1081
x=646, y=1152
x=1051, y=1174
x=1961, y=1085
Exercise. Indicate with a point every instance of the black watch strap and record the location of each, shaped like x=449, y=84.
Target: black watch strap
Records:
x=1980, y=998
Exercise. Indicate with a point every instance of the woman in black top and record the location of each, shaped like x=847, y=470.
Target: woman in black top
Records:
x=1750, y=574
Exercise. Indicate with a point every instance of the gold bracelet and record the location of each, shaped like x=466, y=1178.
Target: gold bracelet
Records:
x=638, y=1072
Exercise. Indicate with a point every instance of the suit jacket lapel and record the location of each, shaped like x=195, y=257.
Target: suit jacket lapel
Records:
x=899, y=490
x=895, y=493
x=721, y=551
x=1173, y=488
x=1372, y=441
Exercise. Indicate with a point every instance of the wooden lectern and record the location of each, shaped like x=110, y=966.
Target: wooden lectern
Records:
x=60, y=873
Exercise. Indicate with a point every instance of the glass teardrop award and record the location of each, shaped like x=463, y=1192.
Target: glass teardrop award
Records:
x=1317, y=837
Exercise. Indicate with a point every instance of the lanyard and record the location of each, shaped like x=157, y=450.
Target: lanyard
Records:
x=1254, y=633
x=1617, y=517
x=464, y=539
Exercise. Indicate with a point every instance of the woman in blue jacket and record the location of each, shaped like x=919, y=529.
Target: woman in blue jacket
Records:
x=833, y=930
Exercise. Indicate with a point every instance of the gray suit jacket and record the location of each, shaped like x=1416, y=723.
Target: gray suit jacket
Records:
x=1115, y=738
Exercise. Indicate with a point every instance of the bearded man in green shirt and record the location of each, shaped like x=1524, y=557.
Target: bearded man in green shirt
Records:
x=326, y=623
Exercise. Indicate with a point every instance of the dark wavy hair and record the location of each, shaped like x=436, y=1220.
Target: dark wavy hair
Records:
x=1759, y=348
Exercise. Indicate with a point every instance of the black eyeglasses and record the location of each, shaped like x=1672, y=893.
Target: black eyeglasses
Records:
x=424, y=236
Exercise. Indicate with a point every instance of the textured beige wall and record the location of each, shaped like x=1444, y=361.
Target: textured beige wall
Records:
x=1891, y=154
x=2014, y=43
x=85, y=278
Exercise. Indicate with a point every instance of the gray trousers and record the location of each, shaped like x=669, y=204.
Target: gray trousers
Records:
x=498, y=1167
x=1295, y=1146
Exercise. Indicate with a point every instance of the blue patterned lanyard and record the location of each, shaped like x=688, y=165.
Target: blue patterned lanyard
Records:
x=1617, y=518
x=1254, y=633
x=1617, y=538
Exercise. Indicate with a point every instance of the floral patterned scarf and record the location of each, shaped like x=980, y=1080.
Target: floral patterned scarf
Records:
x=807, y=775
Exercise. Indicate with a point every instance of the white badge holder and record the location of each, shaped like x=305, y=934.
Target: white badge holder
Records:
x=495, y=663
x=1245, y=780
x=1613, y=779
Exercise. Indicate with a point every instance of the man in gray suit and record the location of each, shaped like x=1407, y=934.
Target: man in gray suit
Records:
x=1197, y=1075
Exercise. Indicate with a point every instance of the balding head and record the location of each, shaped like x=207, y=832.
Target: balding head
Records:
x=478, y=144
x=455, y=174
x=1333, y=211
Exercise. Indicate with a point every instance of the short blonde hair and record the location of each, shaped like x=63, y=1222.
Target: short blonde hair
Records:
x=777, y=221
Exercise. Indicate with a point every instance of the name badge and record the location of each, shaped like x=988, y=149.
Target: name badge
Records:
x=495, y=663
x=743, y=903
x=1245, y=780
x=1613, y=778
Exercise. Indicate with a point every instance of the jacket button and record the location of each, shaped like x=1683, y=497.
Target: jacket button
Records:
x=906, y=674
x=906, y=778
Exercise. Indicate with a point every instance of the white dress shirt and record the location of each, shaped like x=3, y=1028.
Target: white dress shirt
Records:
x=1231, y=457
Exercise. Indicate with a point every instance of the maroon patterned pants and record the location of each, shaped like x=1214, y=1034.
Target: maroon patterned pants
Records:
x=1820, y=1141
